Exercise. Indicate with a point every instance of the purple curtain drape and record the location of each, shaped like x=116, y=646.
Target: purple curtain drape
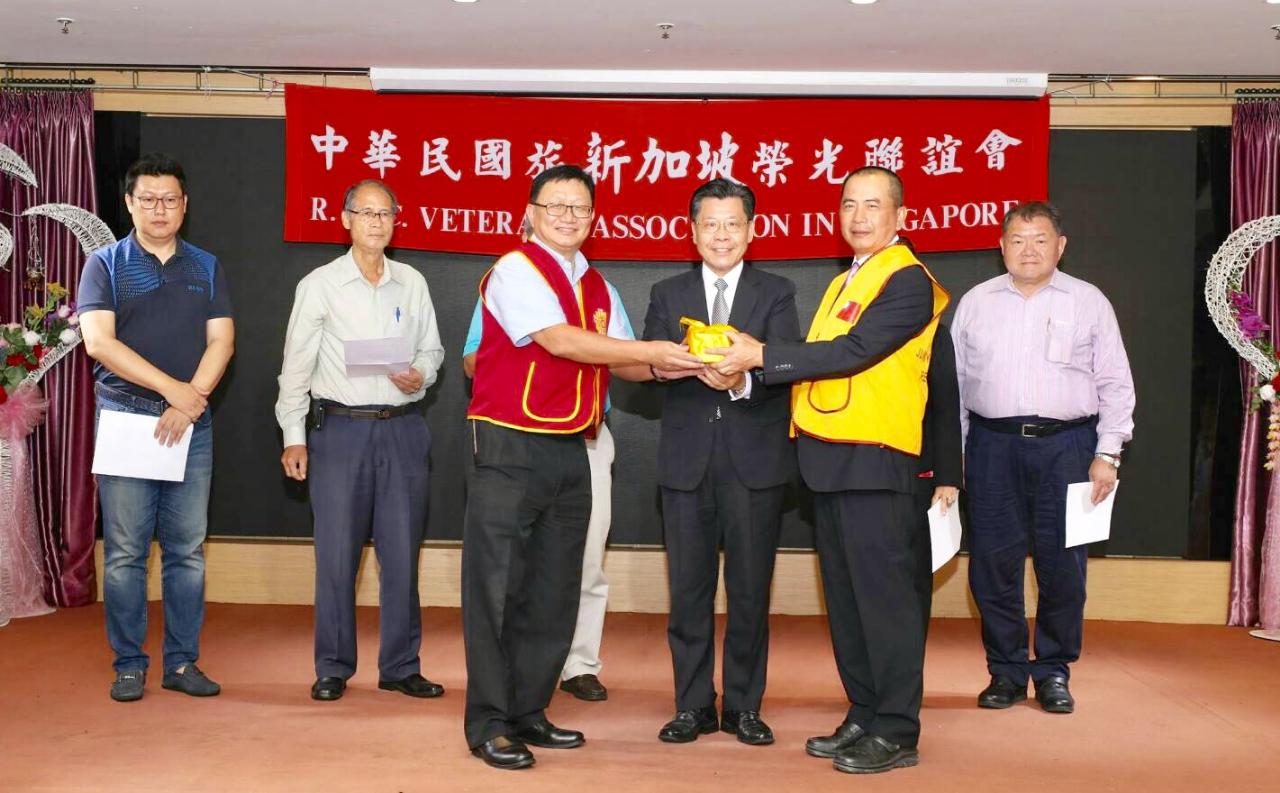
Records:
x=53, y=132
x=1255, y=549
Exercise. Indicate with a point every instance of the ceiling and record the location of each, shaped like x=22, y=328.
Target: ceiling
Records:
x=1155, y=37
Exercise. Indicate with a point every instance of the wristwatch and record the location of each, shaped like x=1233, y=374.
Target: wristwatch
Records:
x=1111, y=459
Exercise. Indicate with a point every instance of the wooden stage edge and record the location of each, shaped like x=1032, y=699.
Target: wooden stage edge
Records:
x=1124, y=589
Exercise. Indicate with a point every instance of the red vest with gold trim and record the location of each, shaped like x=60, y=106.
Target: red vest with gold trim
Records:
x=528, y=388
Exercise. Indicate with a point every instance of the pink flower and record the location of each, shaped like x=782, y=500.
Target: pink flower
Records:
x=74, y=320
x=3, y=342
x=1252, y=326
x=1240, y=300
x=64, y=311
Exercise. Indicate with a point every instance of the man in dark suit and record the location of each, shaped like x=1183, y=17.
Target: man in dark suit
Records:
x=858, y=412
x=723, y=460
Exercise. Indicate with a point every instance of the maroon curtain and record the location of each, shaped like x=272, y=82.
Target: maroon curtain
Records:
x=53, y=132
x=1255, y=193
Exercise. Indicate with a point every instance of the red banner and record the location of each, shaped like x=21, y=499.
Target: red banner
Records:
x=461, y=165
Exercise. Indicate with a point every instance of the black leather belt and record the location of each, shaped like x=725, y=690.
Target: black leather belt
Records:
x=1028, y=429
x=334, y=409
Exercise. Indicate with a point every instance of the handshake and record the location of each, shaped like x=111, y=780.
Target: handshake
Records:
x=725, y=354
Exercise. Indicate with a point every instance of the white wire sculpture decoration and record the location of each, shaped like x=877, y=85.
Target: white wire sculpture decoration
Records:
x=16, y=167
x=6, y=246
x=90, y=231
x=1223, y=280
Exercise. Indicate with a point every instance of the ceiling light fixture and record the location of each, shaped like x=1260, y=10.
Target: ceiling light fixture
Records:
x=869, y=2
x=708, y=83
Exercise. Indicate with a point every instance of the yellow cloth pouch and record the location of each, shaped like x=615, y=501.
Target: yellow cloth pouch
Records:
x=700, y=337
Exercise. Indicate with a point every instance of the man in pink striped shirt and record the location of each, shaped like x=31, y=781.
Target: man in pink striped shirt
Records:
x=1046, y=400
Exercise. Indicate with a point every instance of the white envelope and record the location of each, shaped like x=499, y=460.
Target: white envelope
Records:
x=365, y=357
x=944, y=533
x=1087, y=522
x=127, y=446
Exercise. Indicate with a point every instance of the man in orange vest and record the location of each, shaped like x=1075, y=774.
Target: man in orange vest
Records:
x=550, y=337
x=857, y=412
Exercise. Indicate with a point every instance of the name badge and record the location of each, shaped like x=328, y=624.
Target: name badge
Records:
x=850, y=312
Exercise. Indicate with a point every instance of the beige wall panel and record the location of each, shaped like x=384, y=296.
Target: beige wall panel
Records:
x=1148, y=590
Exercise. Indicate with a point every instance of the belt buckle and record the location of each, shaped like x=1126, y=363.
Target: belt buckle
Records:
x=1022, y=430
x=384, y=413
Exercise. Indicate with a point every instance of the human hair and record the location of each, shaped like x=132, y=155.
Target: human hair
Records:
x=154, y=164
x=1030, y=211
x=355, y=188
x=723, y=188
x=895, y=183
x=562, y=173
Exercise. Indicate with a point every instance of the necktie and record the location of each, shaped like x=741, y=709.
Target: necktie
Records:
x=720, y=307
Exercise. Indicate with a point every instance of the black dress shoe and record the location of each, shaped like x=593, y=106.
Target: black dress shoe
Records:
x=586, y=687
x=1002, y=693
x=549, y=736
x=873, y=755
x=415, y=685
x=504, y=753
x=689, y=724
x=1054, y=696
x=842, y=740
x=747, y=725
x=328, y=688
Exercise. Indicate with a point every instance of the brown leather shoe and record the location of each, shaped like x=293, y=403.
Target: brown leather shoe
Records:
x=587, y=687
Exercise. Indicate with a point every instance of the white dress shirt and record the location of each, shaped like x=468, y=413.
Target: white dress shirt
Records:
x=731, y=278
x=520, y=300
x=335, y=303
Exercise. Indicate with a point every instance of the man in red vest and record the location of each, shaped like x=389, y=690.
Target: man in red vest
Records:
x=550, y=338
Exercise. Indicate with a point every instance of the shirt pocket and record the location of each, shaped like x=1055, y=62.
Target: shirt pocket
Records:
x=1061, y=341
x=1070, y=345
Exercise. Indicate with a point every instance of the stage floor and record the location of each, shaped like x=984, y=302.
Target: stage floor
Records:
x=1160, y=708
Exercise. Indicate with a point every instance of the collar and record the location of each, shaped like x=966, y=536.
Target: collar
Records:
x=1005, y=283
x=180, y=247
x=731, y=278
x=574, y=270
x=350, y=271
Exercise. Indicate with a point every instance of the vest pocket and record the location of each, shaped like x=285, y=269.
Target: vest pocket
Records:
x=830, y=396
x=528, y=409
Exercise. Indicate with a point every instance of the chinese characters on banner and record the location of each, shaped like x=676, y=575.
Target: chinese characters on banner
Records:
x=461, y=165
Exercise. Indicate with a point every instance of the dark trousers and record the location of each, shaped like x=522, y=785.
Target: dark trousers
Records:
x=924, y=550
x=1017, y=489
x=696, y=523
x=368, y=479
x=868, y=547
x=528, y=503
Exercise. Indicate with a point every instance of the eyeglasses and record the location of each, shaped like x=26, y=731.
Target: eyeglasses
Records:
x=369, y=215
x=731, y=226
x=580, y=211
x=149, y=201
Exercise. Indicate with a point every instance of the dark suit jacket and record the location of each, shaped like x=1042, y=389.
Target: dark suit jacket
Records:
x=941, y=450
x=896, y=316
x=764, y=306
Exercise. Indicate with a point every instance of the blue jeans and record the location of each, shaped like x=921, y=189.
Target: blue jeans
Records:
x=134, y=511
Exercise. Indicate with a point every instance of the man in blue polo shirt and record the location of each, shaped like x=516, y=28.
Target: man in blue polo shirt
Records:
x=156, y=317
x=581, y=674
